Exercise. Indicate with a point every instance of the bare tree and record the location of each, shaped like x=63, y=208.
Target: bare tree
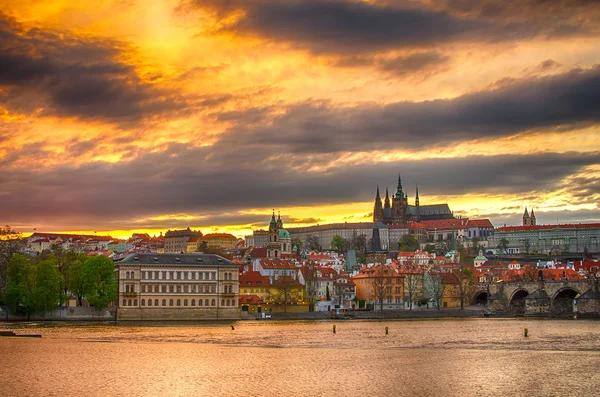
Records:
x=311, y=287
x=313, y=243
x=379, y=288
x=413, y=280
x=464, y=276
x=434, y=288
x=286, y=291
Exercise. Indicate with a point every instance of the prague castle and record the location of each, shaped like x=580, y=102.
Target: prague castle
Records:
x=398, y=211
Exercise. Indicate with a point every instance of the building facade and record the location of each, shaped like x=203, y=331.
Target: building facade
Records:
x=177, y=287
x=325, y=233
x=176, y=241
x=549, y=239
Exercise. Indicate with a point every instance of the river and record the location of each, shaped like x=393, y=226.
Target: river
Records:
x=435, y=357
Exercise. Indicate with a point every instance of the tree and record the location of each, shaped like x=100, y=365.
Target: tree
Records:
x=63, y=260
x=313, y=243
x=503, y=246
x=338, y=244
x=19, y=288
x=286, y=291
x=99, y=281
x=434, y=287
x=310, y=273
x=408, y=243
x=48, y=286
x=11, y=243
x=526, y=245
x=76, y=282
x=413, y=280
x=379, y=289
x=429, y=248
x=464, y=276
x=530, y=273
x=298, y=243
x=475, y=246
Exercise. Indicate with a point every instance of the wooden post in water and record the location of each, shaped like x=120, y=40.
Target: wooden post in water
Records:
x=525, y=332
x=386, y=331
x=334, y=328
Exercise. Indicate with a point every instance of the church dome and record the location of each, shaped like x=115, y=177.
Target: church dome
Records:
x=284, y=233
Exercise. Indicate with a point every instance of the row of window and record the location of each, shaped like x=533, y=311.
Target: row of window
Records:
x=185, y=288
x=178, y=275
x=172, y=302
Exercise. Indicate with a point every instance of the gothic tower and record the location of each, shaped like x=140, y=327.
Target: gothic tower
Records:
x=526, y=218
x=386, y=204
x=377, y=209
x=399, y=204
x=532, y=220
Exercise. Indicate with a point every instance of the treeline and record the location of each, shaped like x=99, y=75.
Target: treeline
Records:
x=45, y=282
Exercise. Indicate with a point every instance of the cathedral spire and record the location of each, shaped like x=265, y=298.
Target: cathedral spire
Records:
x=399, y=192
x=387, y=199
x=417, y=196
x=377, y=196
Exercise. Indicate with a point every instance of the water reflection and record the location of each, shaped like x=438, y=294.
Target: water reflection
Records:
x=431, y=357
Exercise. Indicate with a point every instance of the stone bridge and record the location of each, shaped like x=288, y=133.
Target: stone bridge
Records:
x=555, y=297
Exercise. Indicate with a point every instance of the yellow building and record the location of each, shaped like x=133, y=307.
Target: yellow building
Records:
x=221, y=240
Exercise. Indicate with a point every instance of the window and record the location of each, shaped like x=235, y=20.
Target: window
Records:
x=132, y=288
x=127, y=275
x=206, y=302
x=227, y=303
x=178, y=302
x=129, y=302
x=193, y=302
x=124, y=302
x=127, y=287
x=222, y=302
x=213, y=302
x=171, y=288
x=179, y=288
x=149, y=302
x=185, y=302
x=199, y=302
x=135, y=302
x=164, y=302
x=170, y=302
x=156, y=302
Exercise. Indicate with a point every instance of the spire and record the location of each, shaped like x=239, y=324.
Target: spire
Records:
x=399, y=192
x=387, y=199
x=417, y=196
x=526, y=214
x=377, y=197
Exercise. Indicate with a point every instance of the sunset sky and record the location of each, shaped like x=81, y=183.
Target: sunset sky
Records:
x=133, y=115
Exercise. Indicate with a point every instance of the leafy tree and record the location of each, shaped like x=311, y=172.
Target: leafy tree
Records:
x=10, y=243
x=503, y=246
x=313, y=243
x=76, y=281
x=327, y=294
x=338, y=243
x=379, y=289
x=99, y=281
x=298, y=243
x=48, y=286
x=475, y=245
x=408, y=243
x=429, y=248
x=19, y=289
x=526, y=245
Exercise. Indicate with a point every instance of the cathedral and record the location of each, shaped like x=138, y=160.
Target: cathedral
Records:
x=398, y=211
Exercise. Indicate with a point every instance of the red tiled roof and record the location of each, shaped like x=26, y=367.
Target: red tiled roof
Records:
x=277, y=264
x=253, y=279
x=479, y=223
x=446, y=224
x=549, y=227
x=250, y=300
x=258, y=253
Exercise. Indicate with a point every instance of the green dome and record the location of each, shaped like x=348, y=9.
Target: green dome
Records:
x=284, y=233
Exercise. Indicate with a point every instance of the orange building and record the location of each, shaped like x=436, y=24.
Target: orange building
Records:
x=221, y=240
x=380, y=281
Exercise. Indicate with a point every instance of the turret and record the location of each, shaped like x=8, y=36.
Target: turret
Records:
x=399, y=192
x=417, y=197
x=526, y=219
x=377, y=208
x=532, y=220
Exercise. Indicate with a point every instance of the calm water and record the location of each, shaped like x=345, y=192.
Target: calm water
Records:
x=466, y=357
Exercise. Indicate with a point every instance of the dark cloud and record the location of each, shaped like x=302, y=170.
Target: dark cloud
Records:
x=202, y=182
x=553, y=103
x=48, y=73
x=420, y=64
x=352, y=26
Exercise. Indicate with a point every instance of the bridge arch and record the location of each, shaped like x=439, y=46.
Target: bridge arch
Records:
x=517, y=301
x=562, y=301
x=481, y=298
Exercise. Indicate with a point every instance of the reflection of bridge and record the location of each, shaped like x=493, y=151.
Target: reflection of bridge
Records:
x=554, y=297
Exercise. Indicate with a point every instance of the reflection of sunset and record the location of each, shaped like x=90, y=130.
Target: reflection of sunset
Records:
x=129, y=116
